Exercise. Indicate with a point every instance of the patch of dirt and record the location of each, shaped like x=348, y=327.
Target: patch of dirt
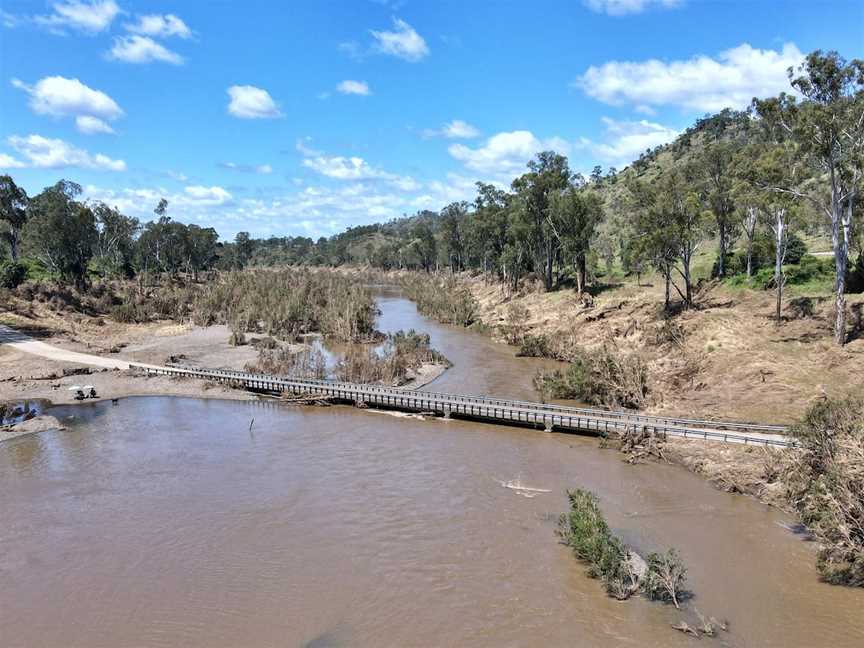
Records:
x=732, y=361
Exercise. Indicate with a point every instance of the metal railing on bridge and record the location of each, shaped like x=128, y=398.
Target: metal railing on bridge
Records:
x=562, y=417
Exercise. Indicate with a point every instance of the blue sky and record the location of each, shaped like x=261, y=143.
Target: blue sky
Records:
x=304, y=118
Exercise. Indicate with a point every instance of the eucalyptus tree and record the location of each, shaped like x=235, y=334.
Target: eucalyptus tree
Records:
x=13, y=211
x=573, y=218
x=61, y=232
x=453, y=225
x=716, y=163
x=487, y=231
x=115, y=241
x=547, y=175
x=828, y=128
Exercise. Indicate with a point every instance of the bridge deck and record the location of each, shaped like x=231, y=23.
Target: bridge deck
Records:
x=497, y=410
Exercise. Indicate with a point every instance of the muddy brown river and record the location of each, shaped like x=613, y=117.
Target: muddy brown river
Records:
x=168, y=522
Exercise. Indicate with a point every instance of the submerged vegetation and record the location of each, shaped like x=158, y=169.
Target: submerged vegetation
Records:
x=584, y=529
x=443, y=299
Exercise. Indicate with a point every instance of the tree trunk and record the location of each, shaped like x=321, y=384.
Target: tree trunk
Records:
x=780, y=252
x=724, y=244
x=13, y=244
x=840, y=240
x=667, y=275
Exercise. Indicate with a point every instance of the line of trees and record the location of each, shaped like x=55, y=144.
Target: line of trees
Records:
x=750, y=181
x=73, y=239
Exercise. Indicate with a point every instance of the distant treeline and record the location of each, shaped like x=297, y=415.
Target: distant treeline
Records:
x=55, y=234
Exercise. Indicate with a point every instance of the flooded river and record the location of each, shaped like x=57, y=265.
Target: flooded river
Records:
x=169, y=522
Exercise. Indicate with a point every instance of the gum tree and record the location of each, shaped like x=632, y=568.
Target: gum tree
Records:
x=828, y=129
x=13, y=211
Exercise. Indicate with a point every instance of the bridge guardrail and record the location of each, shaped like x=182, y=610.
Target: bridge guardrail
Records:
x=495, y=409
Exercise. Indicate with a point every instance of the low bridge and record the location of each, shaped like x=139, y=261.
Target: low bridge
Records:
x=493, y=410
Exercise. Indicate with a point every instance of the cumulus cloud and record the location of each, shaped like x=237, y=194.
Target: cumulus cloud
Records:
x=456, y=129
x=92, y=125
x=355, y=168
x=9, y=162
x=311, y=211
x=46, y=153
x=261, y=169
x=403, y=42
x=249, y=102
x=624, y=141
x=208, y=195
x=88, y=17
x=350, y=87
x=624, y=7
x=505, y=154
x=142, y=49
x=61, y=97
x=159, y=26
x=702, y=83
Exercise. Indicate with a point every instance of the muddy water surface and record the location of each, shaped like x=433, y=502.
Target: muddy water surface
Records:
x=168, y=522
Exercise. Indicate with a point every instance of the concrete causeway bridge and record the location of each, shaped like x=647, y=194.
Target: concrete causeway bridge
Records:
x=487, y=409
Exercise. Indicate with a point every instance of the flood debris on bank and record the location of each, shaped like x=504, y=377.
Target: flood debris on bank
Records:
x=821, y=481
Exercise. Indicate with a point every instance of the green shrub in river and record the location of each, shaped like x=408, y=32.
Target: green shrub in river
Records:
x=585, y=531
x=443, y=299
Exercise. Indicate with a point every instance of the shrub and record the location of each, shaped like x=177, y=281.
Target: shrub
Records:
x=665, y=578
x=12, y=274
x=825, y=485
x=601, y=377
x=585, y=531
x=534, y=346
x=445, y=300
x=130, y=313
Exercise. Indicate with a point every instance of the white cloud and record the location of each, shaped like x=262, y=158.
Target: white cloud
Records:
x=346, y=168
x=249, y=102
x=61, y=97
x=92, y=125
x=700, y=83
x=142, y=49
x=310, y=211
x=208, y=195
x=261, y=169
x=505, y=154
x=160, y=26
x=403, y=42
x=88, y=17
x=46, y=153
x=354, y=87
x=626, y=140
x=456, y=129
x=623, y=7
x=9, y=162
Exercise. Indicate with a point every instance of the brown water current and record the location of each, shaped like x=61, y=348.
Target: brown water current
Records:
x=168, y=522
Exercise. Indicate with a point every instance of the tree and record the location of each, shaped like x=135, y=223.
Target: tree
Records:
x=453, y=218
x=200, y=248
x=243, y=247
x=828, y=128
x=547, y=175
x=13, y=211
x=573, y=218
x=115, y=241
x=716, y=164
x=61, y=232
x=424, y=245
